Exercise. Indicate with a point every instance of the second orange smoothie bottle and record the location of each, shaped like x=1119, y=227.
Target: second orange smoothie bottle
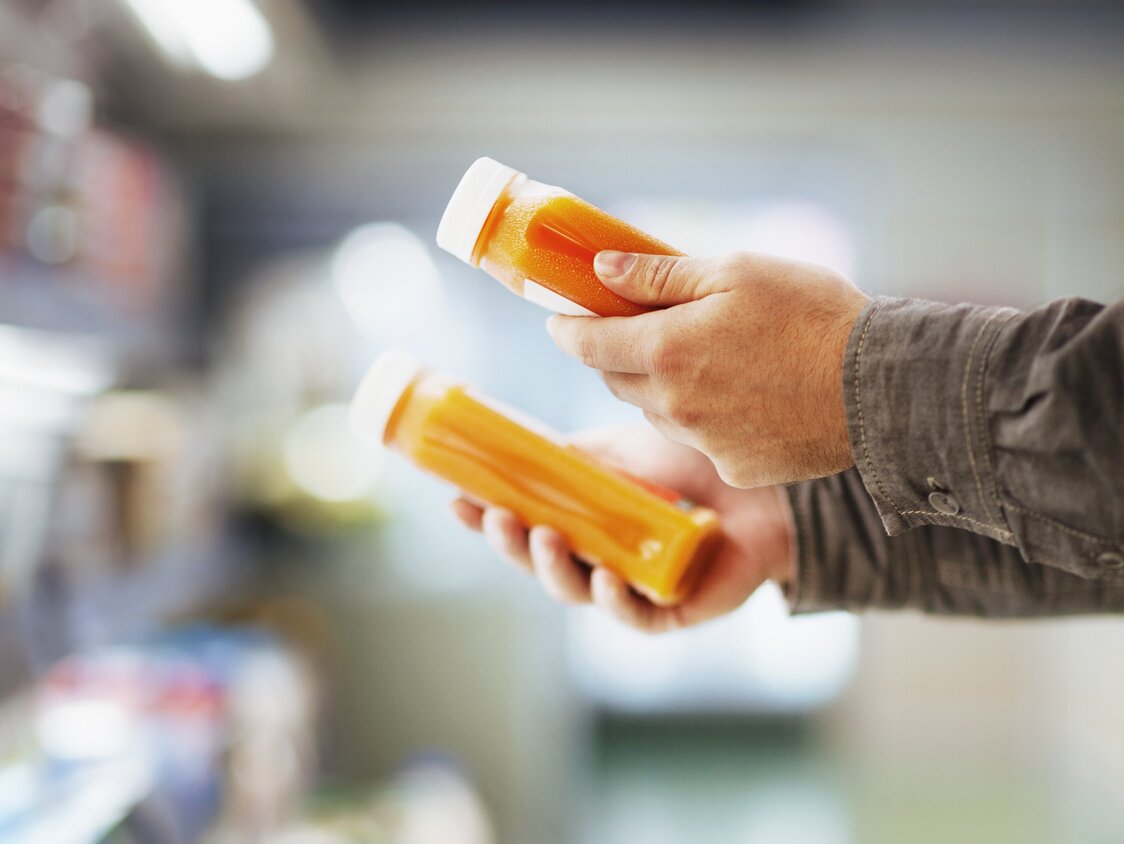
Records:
x=646, y=534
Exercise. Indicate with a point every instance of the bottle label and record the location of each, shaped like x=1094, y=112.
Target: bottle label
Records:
x=535, y=292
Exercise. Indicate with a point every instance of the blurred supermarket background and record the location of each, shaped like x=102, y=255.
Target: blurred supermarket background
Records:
x=222, y=620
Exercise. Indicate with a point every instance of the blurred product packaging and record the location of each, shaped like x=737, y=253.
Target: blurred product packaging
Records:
x=47, y=382
x=198, y=723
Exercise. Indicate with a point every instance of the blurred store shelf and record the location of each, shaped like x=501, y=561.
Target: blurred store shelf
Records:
x=82, y=808
x=59, y=618
x=170, y=586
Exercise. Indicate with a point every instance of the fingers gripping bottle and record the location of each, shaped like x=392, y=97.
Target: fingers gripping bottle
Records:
x=539, y=240
x=655, y=541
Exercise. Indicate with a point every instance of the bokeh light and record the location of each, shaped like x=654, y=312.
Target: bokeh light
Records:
x=387, y=280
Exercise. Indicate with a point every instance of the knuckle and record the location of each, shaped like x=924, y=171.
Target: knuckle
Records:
x=505, y=551
x=613, y=384
x=655, y=420
x=552, y=589
x=585, y=348
x=648, y=627
x=731, y=475
x=734, y=267
x=663, y=272
x=679, y=409
x=561, y=594
x=663, y=355
x=657, y=620
x=659, y=274
x=626, y=615
x=513, y=552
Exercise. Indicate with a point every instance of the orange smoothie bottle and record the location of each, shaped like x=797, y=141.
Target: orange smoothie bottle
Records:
x=539, y=240
x=653, y=539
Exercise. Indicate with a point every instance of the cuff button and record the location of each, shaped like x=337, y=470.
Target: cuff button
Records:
x=944, y=503
x=1111, y=560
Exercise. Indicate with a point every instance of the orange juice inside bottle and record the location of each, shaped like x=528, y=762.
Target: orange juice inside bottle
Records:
x=539, y=240
x=655, y=541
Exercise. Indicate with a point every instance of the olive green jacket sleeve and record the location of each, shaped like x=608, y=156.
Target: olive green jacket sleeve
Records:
x=989, y=464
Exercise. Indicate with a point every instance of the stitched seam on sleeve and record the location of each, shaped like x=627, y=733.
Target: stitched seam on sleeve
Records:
x=859, y=408
x=1092, y=537
x=932, y=515
x=981, y=419
x=967, y=424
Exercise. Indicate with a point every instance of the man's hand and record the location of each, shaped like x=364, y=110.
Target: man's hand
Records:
x=742, y=361
x=757, y=524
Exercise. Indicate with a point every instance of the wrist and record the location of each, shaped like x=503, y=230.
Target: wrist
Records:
x=836, y=433
x=783, y=533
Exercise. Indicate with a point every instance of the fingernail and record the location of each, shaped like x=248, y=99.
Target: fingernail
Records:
x=602, y=581
x=492, y=530
x=542, y=538
x=611, y=264
x=551, y=324
x=535, y=541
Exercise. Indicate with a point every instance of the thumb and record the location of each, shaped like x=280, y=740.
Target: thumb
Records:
x=658, y=280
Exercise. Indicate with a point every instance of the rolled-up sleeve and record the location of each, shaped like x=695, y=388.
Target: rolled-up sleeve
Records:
x=1004, y=423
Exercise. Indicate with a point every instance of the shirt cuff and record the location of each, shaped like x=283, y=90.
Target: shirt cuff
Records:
x=843, y=556
x=913, y=380
x=845, y=561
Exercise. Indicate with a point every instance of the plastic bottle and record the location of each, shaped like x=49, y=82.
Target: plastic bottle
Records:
x=539, y=240
x=649, y=536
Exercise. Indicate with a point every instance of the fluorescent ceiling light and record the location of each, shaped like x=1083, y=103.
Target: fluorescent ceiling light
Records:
x=229, y=39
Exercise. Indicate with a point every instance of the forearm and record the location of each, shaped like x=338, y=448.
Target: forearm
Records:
x=846, y=560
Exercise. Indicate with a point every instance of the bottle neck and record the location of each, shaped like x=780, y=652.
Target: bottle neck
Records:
x=495, y=216
x=390, y=432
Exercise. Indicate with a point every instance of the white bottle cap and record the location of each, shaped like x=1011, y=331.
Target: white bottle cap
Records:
x=380, y=391
x=468, y=209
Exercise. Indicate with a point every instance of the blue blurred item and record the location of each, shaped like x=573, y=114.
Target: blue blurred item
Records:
x=155, y=733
